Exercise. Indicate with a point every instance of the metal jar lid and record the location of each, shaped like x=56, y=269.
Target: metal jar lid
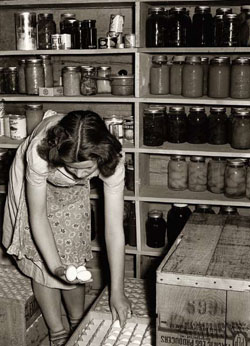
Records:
x=87, y=68
x=193, y=60
x=201, y=9
x=155, y=9
x=178, y=9
x=177, y=109
x=236, y=162
x=34, y=106
x=160, y=107
x=228, y=209
x=243, y=60
x=230, y=16
x=178, y=59
x=241, y=111
x=218, y=109
x=203, y=206
x=67, y=15
x=220, y=60
x=159, y=58
x=10, y=69
x=103, y=68
x=34, y=61
x=204, y=60
x=197, y=109
x=48, y=16
x=245, y=8
x=71, y=69
x=224, y=10
x=178, y=158
x=156, y=214
x=180, y=205
x=153, y=111
x=197, y=158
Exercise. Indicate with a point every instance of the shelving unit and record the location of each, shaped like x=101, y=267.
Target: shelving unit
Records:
x=136, y=60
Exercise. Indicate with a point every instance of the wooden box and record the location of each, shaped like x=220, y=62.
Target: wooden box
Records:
x=202, y=293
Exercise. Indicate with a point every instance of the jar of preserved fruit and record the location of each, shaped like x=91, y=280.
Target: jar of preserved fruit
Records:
x=179, y=27
x=202, y=28
x=176, y=125
x=88, y=80
x=103, y=80
x=205, y=66
x=248, y=180
x=48, y=71
x=219, y=77
x=215, y=174
x=155, y=229
x=70, y=25
x=192, y=77
x=227, y=210
x=231, y=30
x=34, y=115
x=153, y=127
x=45, y=27
x=88, y=34
x=2, y=87
x=244, y=26
x=159, y=75
x=203, y=209
x=197, y=174
x=176, y=74
x=217, y=126
x=156, y=27
x=177, y=173
x=240, y=78
x=10, y=80
x=197, y=125
x=235, y=179
x=34, y=76
x=218, y=30
x=26, y=31
x=240, y=128
x=21, y=76
x=71, y=80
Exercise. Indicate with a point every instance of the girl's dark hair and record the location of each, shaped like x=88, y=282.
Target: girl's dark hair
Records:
x=81, y=136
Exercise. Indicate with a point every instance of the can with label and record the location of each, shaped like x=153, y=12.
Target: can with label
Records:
x=103, y=42
x=18, y=126
x=111, y=40
x=116, y=23
x=115, y=126
x=128, y=129
x=129, y=40
x=66, y=41
x=1, y=126
x=56, y=41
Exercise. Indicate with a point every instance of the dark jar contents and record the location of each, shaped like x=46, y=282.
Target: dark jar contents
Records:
x=248, y=180
x=2, y=87
x=219, y=77
x=159, y=75
x=205, y=66
x=21, y=76
x=177, y=217
x=217, y=126
x=88, y=34
x=240, y=128
x=177, y=173
x=179, y=27
x=240, y=78
x=197, y=125
x=235, y=179
x=231, y=30
x=192, y=77
x=218, y=30
x=203, y=209
x=155, y=229
x=215, y=175
x=129, y=176
x=70, y=25
x=202, y=27
x=156, y=27
x=197, y=174
x=11, y=80
x=88, y=80
x=176, y=125
x=176, y=75
x=34, y=76
x=4, y=166
x=244, y=26
x=153, y=127
x=93, y=223
x=132, y=225
x=227, y=210
x=48, y=71
x=45, y=28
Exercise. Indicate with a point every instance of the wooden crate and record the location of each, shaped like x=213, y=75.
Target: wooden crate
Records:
x=202, y=293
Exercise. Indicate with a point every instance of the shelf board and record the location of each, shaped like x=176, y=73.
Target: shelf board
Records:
x=69, y=52
x=63, y=99
x=63, y=3
x=202, y=50
x=8, y=143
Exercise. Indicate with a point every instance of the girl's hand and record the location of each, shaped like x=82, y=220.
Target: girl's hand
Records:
x=120, y=308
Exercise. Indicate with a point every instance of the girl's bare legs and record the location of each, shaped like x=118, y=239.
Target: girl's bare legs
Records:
x=74, y=303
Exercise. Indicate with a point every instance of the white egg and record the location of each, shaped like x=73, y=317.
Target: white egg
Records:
x=80, y=268
x=71, y=273
x=83, y=274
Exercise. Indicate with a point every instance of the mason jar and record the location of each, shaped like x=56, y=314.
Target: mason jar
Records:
x=192, y=77
x=217, y=126
x=215, y=174
x=48, y=71
x=231, y=30
x=153, y=127
x=71, y=80
x=177, y=173
x=156, y=27
x=235, y=179
x=177, y=127
x=176, y=69
x=88, y=80
x=155, y=229
x=10, y=80
x=219, y=77
x=197, y=125
x=34, y=76
x=45, y=28
x=21, y=76
x=240, y=78
x=240, y=136
x=103, y=80
x=197, y=174
x=228, y=210
x=34, y=115
x=159, y=75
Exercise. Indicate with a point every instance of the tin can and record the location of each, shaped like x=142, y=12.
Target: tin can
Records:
x=129, y=40
x=1, y=126
x=103, y=42
x=111, y=40
x=66, y=41
x=56, y=41
x=18, y=126
x=128, y=128
x=115, y=126
x=116, y=23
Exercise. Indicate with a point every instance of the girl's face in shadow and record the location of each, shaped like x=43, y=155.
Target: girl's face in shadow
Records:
x=81, y=169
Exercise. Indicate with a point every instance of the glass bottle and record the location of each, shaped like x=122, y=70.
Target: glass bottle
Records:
x=48, y=71
x=153, y=127
x=231, y=30
x=88, y=34
x=10, y=80
x=70, y=25
x=202, y=27
x=203, y=209
x=192, y=77
x=240, y=78
x=34, y=115
x=155, y=229
x=176, y=125
x=103, y=80
x=240, y=128
x=179, y=27
x=197, y=125
x=177, y=173
x=45, y=28
x=244, y=26
x=156, y=26
x=176, y=74
x=219, y=77
x=217, y=126
x=88, y=80
x=205, y=66
x=71, y=80
x=26, y=31
x=159, y=75
x=197, y=174
x=132, y=225
x=34, y=76
x=21, y=76
x=228, y=210
x=235, y=179
x=215, y=174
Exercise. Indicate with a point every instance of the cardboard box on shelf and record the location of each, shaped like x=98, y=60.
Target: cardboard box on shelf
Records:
x=55, y=91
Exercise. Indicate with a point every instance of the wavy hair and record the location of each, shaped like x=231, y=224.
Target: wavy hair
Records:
x=80, y=136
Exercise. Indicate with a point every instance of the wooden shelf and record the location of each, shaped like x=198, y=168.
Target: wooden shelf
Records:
x=8, y=143
x=69, y=52
x=66, y=3
x=192, y=50
x=63, y=99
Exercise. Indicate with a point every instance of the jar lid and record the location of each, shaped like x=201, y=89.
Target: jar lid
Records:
x=203, y=206
x=218, y=109
x=104, y=68
x=178, y=157
x=243, y=60
x=236, y=162
x=223, y=10
x=45, y=57
x=228, y=209
x=177, y=109
x=231, y=16
x=68, y=15
x=197, y=109
x=199, y=9
x=204, y=60
x=178, y=9
x=72, y=21
x=219, y=16
x=193, y=60
x=241, y=111
x=217, y=158
x=34, y=61
x=178, y=58
x=34, y=106
x=180, y=205
x=220, y=60
x=161, y=107
x=21, y=61
x=45, y=15
x=87, y=68
x=156, y=214
x=115, y=76
x=155, y=9
x=11, y=68
x=197, y=158
x=130, y=166
x=71, y=68
x=159, y=58
x=153, y=111
x=245, y=7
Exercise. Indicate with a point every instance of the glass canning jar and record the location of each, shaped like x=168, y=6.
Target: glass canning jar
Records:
x=153, y=127
x=203, y=209
x=103, y=80
x=197, y=174
x=176, y=75
x=218, y=30
x=71, y=77
x=240, y=78
x=176, y=125
x=197, y=125
x=219, y=77
x=228, y=210
x=235, y=179
x=48, y=71
x=45, y=28
x=177, y=173
x=202, y=27
x=192, y=77
x=88, y=34
x=240, y=136
x=156, y=26
x=10, y=80
x=155, y=229
x=21, y=76
x=34, y=115
x=248, y=180
x=70, y=25
x=179, y=27
x=34, y=76
x=231, y=30
x=244, y=26
x=215, y=174
x=217, y=126
x=159, y=75
x=88, y=80
x=2, y=90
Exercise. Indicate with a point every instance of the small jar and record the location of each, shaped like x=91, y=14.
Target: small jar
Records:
x=215, y=175
x=2, y=86
x=202, y=27
x=203, y=209
x=192, y=78
x=26, y=31
x=18, y=127
x=11, y=80
x=114, y=124
x=153, y=127
x=231, y=30
x=240, y=78
x=240, y=128
x=34, y=76
x=248, y=181
x=34, y=115
x=103, y=80
x=88, y=34
x=88, y=80
x=176, y=75
x=130, y=177
x=205, y=66
x=197, y=125
x=155, y=229
x=21, y=76
x=179, y=27
x=217, y=126
x=156, y=27
x=45, y=28
x=219, y=77
x=228, y=210
x=159, y=75
x=48, y=71
x=177, y=125
x=71, y=26
x=71, y=80
x=235, y=179
x=177, y=173
x=197, y=174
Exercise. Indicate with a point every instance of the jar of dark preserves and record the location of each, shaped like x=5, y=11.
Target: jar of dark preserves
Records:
x=203, y=209
x=228, y=210
x=205, y=66
x=176, y=74
x=177, y=125
x=2, y=87
x=197, y=174
x=217, y=126
x=153, y=127
x=88, y=34
x=177, y=173
x=129, y=176
x=34, y=75
x=231, y=30
x=155, y=229
x=162, y=108
x=21, y=76
x=48, y=71
x=156, y=27
x=202, y=28
x=197, y=125
x=241, y=128
x=132, y=225
x=248, y=180
x=177, y=217
x=4, y=171
x=70, y=25
x=45, y=28
x=219, y=77
x=215, y=174
x=244, y=26
x=240, y=78
x=179, y=27
x=218, y=30
x=235, y=179
x=192, y=77
x=159, y=75
x=10, y=80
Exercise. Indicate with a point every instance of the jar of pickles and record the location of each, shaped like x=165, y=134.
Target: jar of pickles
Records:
x=215, y=174
x=34, y=76
x=153, y=127
x=176, y=75
x=197, y=125
x=88, y=80
x=217, y=126
x=219, y=77
x=159, y=75
x=71, y=80
x=177, y=125
x=192, y=77
x=197, y=174
x=240, y=128
x=235, y=179
x=155, y=229
x=177, y=173
x=240, y=78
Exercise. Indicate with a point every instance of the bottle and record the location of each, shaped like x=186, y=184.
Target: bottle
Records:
x=88, y=34
x=132, y=226
x=197, y=125
x=45, y=28
x=235, y=179
x=217, y=126
x=71, y=26
x=202, y=27
x=159, y=75
x=192, y=78
x=156, y=27
x=155, y=229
